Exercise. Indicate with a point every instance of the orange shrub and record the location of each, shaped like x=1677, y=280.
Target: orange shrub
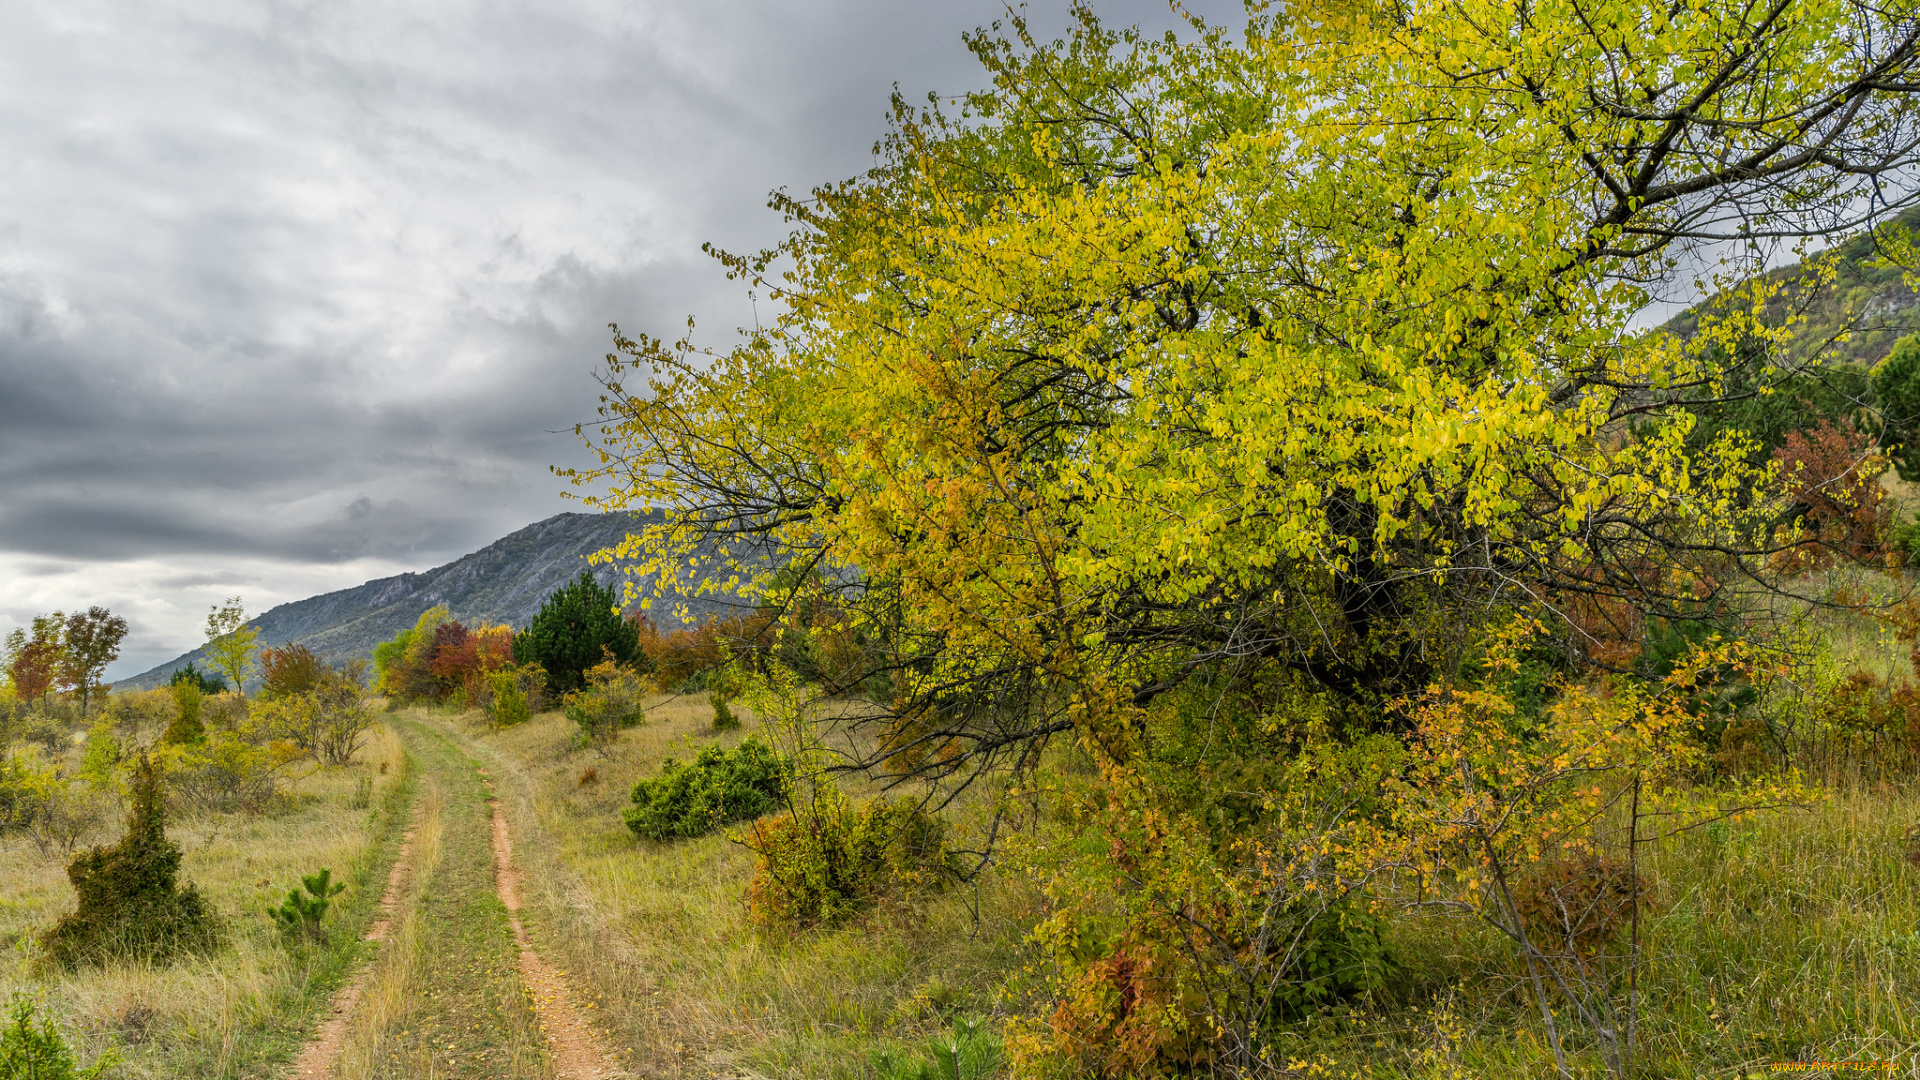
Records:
x=678, y=657
x=1833, y=476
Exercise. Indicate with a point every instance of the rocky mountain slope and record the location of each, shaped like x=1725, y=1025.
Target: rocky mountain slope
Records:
x=1867, y=303
x=504, y=582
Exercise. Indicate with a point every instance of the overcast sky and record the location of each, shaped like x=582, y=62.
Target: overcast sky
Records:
x=295, y=295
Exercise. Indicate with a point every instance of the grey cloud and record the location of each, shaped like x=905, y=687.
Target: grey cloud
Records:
x=291, y=292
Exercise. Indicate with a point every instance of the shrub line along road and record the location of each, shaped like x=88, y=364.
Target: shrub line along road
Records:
x=459, y=989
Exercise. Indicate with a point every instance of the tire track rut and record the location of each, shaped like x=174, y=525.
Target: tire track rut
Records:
x=322, y=1052
x=577, y=1050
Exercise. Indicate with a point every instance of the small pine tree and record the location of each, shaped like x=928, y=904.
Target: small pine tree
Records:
x=301, y=914
x=577, y=628
x=130, y=904
x=37, y=1052
x=207, y=682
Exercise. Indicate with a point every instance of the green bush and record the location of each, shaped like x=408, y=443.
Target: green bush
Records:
x=503, y=695
x=186, y=727
x=720, y=787
x=612, y=701
x=52, y=809
x=328, y=721
x=20, y=782
x=130, y=905
x=222, y=773
x=832, y=858
x=100, y=755
x=1340, y=953
x=37, y=1052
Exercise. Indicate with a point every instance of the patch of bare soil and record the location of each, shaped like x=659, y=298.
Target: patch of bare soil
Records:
x=317, y=1058
x=577, y=1050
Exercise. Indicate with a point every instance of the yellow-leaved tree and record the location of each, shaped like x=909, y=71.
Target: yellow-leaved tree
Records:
x=231, y=643
x=1204, y=396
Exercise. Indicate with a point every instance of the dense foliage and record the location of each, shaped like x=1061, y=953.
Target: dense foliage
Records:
x=717, y=788
x=205, y=682
x=578, y=627
x=131, y=905
x=831, y=858
x=442, y=659
x=610, y=702
x=1271, y=409
x=290, y=669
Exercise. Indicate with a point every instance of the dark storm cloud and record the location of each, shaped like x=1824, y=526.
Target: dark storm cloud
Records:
x=292, y=294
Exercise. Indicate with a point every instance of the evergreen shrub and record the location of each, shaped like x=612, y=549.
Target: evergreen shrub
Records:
x=303, y=911
x=576, y=629
x=30, y=1051
x=971, y=1052
x=720, y=787
x=130, y=903
x=204, y=681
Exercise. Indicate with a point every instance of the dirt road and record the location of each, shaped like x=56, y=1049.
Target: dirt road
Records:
x=459, y=988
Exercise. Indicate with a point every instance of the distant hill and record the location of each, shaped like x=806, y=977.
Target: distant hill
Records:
x=504, y=582
x=1871, y=301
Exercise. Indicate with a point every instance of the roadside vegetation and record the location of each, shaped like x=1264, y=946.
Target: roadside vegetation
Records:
x=1218, y=485
x=143, y=839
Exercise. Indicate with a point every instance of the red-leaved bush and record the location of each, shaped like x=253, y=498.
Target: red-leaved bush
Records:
x=1832, y=475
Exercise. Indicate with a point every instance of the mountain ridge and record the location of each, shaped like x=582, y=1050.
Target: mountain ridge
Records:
x=504, y=582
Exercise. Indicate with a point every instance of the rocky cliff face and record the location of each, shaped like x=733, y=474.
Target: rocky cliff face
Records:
x=504, y=582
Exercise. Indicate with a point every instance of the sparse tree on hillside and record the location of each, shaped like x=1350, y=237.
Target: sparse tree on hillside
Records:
x=231, y=642
x=92, y=642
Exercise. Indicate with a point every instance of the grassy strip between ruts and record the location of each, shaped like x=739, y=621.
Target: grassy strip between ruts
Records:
x=447, y=1000
x=244, y=1010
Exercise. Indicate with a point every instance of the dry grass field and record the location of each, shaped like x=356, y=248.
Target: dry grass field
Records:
x=243, y=1010
x=1791, y=936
